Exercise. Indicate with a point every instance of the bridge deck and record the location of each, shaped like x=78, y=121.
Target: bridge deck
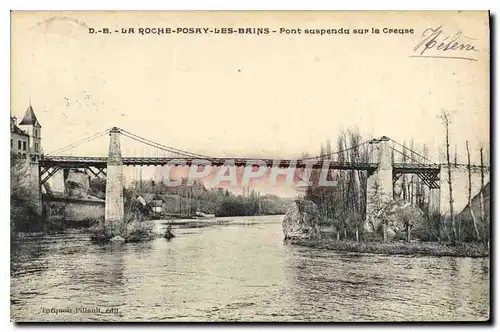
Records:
x=100, y=162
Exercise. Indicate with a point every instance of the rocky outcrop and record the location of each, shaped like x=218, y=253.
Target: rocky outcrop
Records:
x=301, y=221
x=77, y=184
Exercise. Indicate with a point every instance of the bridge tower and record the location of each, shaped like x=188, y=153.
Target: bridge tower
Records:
x=379, y=183
x=114, y=211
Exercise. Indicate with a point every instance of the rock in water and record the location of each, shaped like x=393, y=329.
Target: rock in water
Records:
x=301, y=221
x=117, y=239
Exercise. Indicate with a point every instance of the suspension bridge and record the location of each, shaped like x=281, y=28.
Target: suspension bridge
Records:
x=381, y=166
x=418, y=164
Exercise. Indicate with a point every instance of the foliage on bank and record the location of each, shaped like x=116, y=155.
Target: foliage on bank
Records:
x=408, y=216
x=137, y=226
x=402, y=219
x=135, y=231
x=398, y=248
x=23, y=214
x=23, y=210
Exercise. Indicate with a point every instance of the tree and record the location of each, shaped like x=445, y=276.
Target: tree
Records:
x=404, y=188
x=342, y=206
x=481, y=195
x=380, y=212
x=446, y=119
x=455, y=159
x=478, y=237
x=356, y=181
x=412, y=176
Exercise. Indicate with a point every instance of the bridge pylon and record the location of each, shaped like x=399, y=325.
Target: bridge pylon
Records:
x=114, y=222
x=380, y=187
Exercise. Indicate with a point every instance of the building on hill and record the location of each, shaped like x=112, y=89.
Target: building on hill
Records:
x=31, y=125
x=19, y=139
x=26, y=137
x=157, y=205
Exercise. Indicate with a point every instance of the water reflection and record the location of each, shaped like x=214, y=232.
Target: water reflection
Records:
x=241, y=271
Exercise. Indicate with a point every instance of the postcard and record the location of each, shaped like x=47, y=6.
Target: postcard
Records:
x=250, y=166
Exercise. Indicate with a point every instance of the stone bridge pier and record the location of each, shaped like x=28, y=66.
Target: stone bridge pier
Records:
x=114, y=222
x=379, y=182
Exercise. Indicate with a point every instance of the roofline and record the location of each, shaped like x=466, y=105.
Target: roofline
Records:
x=36, y=124
x=20, y=134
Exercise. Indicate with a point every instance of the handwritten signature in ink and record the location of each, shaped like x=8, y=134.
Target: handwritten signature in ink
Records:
x=435, y=45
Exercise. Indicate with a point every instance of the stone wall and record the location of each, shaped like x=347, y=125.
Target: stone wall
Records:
x=63, y=208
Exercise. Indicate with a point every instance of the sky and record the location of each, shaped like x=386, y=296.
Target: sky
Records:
x=276, y=95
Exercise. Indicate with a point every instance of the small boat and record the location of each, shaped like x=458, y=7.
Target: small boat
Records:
x=203, y=215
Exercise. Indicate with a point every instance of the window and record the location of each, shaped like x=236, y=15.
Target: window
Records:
x=24, y=146
x=36, y=147
x=19, y=144
x=11, y=143
x=35, y=133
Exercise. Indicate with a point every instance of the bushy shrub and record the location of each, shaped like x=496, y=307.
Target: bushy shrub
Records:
x=136, y=232
x=89, y=222
x=399, y=248
x=372, y=237
x=99, y=234
x=140, y=231
x=400, y=236
x=429, y=229
x=23, y=213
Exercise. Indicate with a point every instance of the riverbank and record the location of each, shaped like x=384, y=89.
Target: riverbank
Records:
x=399, y=248
x=196, y=223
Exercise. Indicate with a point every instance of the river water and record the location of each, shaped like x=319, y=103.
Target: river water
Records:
x=240, y=271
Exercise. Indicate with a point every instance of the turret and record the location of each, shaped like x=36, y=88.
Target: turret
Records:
x=31, y=125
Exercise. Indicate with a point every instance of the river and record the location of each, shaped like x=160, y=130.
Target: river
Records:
x=240, y=271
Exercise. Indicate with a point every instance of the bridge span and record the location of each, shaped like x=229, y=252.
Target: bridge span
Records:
x=382, y=172
x=99, y=162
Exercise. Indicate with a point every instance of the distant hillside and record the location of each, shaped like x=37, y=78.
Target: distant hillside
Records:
x=186, y=200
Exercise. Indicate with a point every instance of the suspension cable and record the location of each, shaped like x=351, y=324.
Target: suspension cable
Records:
x=416, y=160
x=416, y=153
x=83, y=141
x=160, y=146
x=336, y=152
